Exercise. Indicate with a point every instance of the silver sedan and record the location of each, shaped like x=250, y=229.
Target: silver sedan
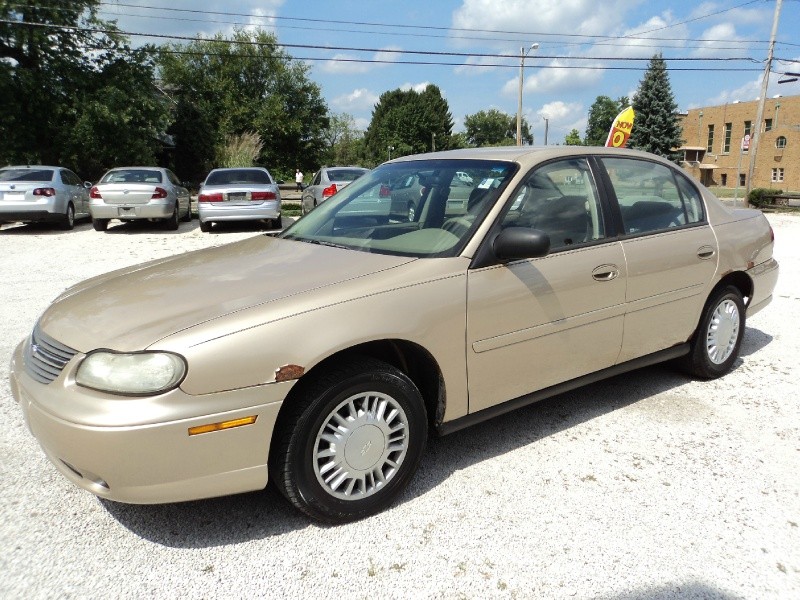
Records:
x=131, y=193
x=326, y=182
x=239, y=194
x=42, y=194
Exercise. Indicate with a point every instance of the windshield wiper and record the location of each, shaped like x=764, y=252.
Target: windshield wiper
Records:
x=323, y=243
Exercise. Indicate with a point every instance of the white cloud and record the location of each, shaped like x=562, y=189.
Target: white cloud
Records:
x=556, y=77
x=349, y=63
x=718, y=42
x=417, y=87
x=752, y=90
x=358, y=100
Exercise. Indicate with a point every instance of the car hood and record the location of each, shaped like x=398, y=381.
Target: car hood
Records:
x=133, y=308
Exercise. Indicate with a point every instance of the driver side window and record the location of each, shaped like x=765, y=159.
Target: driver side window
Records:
x=560, y=199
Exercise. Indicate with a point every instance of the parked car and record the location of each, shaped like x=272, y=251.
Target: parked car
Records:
x=133, y=193
x=239, y=194
x=325, y=183
x=41, y=194
x=321, y=359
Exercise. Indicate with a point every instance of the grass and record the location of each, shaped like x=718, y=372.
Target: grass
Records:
x=290, y=209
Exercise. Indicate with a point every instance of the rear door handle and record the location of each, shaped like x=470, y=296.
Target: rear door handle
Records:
x=605, y=273
x=705, y=252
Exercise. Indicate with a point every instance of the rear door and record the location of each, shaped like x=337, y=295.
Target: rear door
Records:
x=670, y=248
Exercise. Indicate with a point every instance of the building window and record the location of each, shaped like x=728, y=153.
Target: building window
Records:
x=777, y=175
x=710, y=144
x=780, y=142
x=742, y=180
x=767, y=124
x=726, y=147
x=747, y=127
x=724, y=179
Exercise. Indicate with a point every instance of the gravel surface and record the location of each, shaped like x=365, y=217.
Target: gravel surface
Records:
x=647, y=485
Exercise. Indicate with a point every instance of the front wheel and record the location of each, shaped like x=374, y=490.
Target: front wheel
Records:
x=351, y=441
x=718, y=339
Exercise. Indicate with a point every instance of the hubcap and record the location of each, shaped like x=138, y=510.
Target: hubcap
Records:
x=723, y=331
x=360, y=446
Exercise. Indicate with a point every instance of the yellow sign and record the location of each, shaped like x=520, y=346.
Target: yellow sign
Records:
x=621, y=129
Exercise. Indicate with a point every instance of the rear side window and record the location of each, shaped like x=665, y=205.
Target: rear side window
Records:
x=344, y=174
x=26, y=175
x=651, y=197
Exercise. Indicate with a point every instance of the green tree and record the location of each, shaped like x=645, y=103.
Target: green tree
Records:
x=573, y=138
x=408, y=122
x=655, y=126
x=495, y=128
x=601, y=117
x=342, y=140
x=69, y=83
x=245, y=83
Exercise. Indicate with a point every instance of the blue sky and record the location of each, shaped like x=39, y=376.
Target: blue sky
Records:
x=581, y=44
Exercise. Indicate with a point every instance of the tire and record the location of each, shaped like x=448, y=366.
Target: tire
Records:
x=172, y=223
x=411, y=211
x=100, y=224
x=188, y=217
x=67, y=222
x=277, y=223
x=716, y=344
x=205, y=226
x=362, y=466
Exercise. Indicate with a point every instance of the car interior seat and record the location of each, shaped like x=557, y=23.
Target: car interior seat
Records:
x=564, y=219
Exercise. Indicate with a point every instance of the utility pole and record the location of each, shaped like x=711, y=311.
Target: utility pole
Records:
x=522, y=55
x=761, y=101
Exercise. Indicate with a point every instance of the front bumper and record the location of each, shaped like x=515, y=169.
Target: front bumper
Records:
x=150, y=462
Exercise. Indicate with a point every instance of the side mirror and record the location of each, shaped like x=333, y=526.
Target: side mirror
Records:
x=517, y=243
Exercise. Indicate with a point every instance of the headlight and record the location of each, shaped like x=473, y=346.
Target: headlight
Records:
x=138, y=373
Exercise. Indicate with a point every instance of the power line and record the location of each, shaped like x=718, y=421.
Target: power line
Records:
x=377, y=50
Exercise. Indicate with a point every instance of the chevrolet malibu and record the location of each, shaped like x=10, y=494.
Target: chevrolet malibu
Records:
x=322, y=359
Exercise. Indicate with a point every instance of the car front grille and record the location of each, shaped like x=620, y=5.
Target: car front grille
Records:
x=46, y=358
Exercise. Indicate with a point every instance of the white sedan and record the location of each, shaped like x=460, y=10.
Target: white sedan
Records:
x=130, y=193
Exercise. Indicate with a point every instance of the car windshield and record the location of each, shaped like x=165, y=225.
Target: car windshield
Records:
x=132, y=176
x=414, y=208
x=26, y=174
x=345, y=174
x=238, y=176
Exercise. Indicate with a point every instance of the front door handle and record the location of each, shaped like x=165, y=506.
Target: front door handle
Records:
x=605, y=273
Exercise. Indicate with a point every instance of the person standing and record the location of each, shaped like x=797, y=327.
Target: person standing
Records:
x=298, y=178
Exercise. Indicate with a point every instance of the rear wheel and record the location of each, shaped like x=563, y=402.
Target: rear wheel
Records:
x=188, y=216
x=205, y=226
x=67, y=221
x=277, y=223
x=412, y=211
x=172, y=223
x=100, y=224
x=719, y=337
x=350, y=442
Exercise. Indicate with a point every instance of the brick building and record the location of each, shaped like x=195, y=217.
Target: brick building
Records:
x=715, y=146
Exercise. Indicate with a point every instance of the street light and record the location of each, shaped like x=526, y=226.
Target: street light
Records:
x=522, y=54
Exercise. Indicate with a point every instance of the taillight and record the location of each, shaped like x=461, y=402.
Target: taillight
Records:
x=159, y=193
x=263, y=196
x=329, y=191
x=210, y=197
x=385, y=192
x=95, y=193
x=44, y=192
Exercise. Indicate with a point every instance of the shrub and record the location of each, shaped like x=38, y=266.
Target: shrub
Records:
x=759, y=197
x=239, y=150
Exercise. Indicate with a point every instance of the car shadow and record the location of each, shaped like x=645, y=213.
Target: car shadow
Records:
x=263, y=514
x=82, y=224
x=244, y=227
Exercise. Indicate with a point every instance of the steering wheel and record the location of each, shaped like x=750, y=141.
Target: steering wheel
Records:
x=458, y=226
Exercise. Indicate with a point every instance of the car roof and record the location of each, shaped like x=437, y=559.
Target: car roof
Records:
x=32, y=167
x=529, y=155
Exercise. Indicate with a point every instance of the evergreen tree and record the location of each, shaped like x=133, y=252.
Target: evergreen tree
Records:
x=655, y=127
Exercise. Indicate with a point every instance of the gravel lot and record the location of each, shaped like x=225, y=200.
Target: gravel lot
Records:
x=648, y=485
